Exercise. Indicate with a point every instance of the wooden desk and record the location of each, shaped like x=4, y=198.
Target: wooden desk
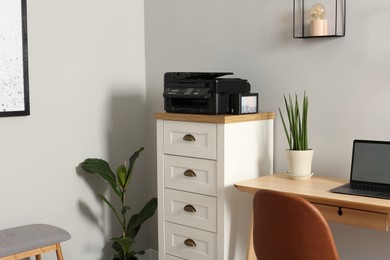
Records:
x=345, y=209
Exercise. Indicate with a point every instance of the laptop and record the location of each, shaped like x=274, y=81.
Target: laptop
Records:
x=370, y=170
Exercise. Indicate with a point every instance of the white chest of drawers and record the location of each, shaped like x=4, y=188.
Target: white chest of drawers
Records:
x=199, y=158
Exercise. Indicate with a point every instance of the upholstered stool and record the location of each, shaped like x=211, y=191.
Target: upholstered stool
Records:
x=31, y=240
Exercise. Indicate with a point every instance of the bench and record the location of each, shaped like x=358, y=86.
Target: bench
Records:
x=31, y=240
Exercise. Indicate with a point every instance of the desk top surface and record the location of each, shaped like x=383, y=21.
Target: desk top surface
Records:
x=315, y=190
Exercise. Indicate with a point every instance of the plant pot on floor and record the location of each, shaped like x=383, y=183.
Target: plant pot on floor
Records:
x=299, y=164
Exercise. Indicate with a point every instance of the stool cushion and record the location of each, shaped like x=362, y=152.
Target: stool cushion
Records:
x=24, y=238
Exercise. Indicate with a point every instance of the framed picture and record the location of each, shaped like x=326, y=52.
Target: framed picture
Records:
x=14, y=87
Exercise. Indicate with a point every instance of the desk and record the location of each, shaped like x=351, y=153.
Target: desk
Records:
x=359, y=211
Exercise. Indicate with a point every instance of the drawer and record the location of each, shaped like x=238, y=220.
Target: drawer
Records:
x=190, y=174
x=360, y=218
x=189, y=243
x=190, y=139
x=191, y=209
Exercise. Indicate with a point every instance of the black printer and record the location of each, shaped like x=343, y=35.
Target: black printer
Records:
x=207, y=93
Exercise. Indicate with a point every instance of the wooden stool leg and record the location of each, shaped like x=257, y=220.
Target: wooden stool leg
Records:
x=59, y=252
x=38, y=257
x=251, y=251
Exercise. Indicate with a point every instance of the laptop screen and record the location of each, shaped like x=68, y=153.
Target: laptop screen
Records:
x=371, y=161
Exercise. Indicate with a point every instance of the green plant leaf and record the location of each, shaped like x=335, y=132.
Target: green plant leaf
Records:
x=122, y=246
x=304, y=121
x=293, y=123
x=111, y=207
x=289, y=116
x=133, y=230
x=138, y=219
x=298, y=123
x=285, y=129
x=121, y=175
x=101, y=168
x=132, y=160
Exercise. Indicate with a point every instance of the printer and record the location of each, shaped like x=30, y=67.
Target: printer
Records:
x=208, y=93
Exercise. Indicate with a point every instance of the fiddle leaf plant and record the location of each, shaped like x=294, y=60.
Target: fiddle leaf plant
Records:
x=296, y=131
x=119, y=183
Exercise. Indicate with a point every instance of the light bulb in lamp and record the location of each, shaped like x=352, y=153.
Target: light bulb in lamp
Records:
x=318, y=11
x=318, y=24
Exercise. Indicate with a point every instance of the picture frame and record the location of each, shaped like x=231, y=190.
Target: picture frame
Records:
x=14, y=80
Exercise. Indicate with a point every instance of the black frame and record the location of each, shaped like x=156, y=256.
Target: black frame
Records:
x=302, y=20
x=26, y=93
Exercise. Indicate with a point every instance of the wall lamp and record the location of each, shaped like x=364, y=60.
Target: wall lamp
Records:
x=312, y=19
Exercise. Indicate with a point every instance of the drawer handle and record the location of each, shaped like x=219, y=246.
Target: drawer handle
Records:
x=189, y=137
x=340, y=212
x=189, y=173
x=190, y=242
x=189, y=208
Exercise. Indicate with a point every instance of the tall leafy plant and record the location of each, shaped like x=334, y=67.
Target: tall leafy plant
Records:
x=296, y=130
x=119, y=183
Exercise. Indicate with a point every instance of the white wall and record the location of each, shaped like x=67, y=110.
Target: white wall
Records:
x=347, y=79
x=87, y=87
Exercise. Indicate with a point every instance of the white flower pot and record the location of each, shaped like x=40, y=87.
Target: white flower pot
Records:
x=299, y=164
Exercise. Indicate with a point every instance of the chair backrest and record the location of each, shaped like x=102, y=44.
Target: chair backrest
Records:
x=288, y=227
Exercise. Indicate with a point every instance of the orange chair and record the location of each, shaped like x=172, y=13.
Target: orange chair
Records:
x=288, y=227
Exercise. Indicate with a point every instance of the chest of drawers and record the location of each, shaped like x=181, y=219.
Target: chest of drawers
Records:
x=199, y=158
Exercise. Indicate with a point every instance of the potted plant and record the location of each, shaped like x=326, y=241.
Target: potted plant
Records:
x=299, y=156
x=119, y=183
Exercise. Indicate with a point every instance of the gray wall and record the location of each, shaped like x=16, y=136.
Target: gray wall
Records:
x=347, y=79
x=88, y=99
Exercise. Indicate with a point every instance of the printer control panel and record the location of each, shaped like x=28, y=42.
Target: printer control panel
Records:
x=186, y=92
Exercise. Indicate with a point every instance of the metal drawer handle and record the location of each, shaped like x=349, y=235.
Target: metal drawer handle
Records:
x=189, y=137
x=189, y=208
x=189, y=173
x=190, y=242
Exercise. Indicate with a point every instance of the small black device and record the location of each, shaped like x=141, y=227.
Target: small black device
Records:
x=207, y=93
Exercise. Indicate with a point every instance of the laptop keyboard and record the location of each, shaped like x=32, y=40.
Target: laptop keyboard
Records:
x=370, y=187
x=376, y=191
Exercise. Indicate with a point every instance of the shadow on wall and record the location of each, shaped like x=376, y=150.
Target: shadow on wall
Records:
x=126, y=133
x=97, y=186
